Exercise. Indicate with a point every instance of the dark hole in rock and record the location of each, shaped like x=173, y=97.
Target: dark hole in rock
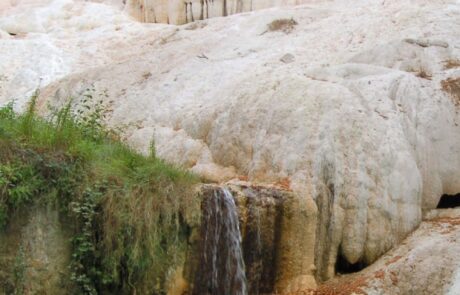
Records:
x=12, y=34
x=449, y=201
x=342, y=266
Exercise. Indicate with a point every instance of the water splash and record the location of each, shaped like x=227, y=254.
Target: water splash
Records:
x=222, y=270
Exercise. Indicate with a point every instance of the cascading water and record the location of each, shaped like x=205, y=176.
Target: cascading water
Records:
x=221, y=268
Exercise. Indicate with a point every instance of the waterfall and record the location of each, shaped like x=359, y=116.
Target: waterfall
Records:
x=222, y=270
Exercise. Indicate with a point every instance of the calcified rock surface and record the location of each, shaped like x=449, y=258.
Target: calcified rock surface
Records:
x=184, y=11
x=356, y=119
x=426, y=263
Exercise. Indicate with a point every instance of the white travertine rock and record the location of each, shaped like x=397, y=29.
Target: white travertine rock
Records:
x=183, y=11
x=426, y=263
x=358, y=121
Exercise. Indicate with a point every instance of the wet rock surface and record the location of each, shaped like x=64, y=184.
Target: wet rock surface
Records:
x=278, y=234
x=35, y=254
x=221, y=266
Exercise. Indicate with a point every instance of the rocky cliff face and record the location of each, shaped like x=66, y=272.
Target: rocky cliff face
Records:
x=35, y=254
x=360, y=117
x=277, y=241
x=252, y=239
x=183, y=11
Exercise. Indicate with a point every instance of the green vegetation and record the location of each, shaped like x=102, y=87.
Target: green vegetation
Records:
x=19, y=270
x=130, y=213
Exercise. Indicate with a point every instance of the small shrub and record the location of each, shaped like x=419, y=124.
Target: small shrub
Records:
x=7, y=112
x=451, y=64
x=85, y=270
x=285, y=25
x=19, y=184
x=423, y=74
x=452, y=86
x=196, y=25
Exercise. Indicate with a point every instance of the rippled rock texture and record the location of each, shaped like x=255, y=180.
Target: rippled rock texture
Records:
x=183, y=11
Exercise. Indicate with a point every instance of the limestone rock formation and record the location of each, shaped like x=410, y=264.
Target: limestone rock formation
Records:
x=364, y=120
x=183, y=11
x=426, y=263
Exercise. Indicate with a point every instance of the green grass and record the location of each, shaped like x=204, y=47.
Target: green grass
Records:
x=130, y=213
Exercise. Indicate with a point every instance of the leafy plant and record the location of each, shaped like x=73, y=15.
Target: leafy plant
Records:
x=85, y=271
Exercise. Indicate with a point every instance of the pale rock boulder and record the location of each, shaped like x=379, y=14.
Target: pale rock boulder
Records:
x=426, y=263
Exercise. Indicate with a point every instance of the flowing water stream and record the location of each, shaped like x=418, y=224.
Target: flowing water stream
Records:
x=222, y=270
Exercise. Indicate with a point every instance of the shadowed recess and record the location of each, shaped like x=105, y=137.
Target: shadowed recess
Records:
x=449, y=201
x=342, y=266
